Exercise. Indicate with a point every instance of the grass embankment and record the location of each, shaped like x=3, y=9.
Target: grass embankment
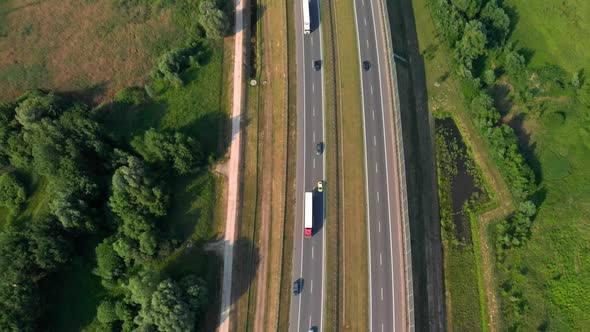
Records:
x=246, y=253
x=353, y=267
x=93, y=48
x=288, y=229
x=265, y=175
x=444, y=93
x=550, y=274
x=544, y=281
x=461, y=190
x=279, y=151
x=332, y=196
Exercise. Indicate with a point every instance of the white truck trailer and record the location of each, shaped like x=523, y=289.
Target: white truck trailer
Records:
x=306, y=18
x=308, y=226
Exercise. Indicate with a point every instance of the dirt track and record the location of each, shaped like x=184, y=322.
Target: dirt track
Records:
x=233, y=166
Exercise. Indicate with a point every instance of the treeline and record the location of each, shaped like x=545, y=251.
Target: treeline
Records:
x=64, y=144
x=115, y=191
x=477, y=32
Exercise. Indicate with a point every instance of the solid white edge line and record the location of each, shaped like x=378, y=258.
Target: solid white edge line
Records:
x=366, y=171
x=321, y=324
x=304, y=153
x=386, y=166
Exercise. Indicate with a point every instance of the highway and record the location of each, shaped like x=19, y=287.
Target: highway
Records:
x=308, y=253
x=386, y=274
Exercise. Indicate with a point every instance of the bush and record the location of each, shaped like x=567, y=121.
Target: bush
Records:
x=105, y=313
x=12, y=193
x=213, y=20
x=131, y=96
x=174, y=150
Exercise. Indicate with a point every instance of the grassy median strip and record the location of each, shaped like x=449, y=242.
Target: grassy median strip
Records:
x=275, y=59
x=354, y=247
x=289, y=217
x=246, y=255
x=332, y=226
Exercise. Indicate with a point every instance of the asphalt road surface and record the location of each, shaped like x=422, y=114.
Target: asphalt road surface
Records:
x=308, y=253
x=386, y=279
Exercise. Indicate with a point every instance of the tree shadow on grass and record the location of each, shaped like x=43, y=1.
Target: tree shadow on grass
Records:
x=245, y=265
x=525, y=144
x=89, y=95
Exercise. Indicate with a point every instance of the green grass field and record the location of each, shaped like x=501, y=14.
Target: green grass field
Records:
x=557, y=31
x=91, y=48
x=552, y=271
x=544, y=285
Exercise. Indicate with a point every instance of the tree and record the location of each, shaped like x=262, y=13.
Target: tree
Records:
x=213, y=20
x=27, y=256
x=12, y=192
x=13, y=150
x=170, y=65
x=450, y=23
x=141, y=286
x=48, y=245
x=35, y=107
x=135, y=192
x=181, y=152
x=514, y=63
x=106, y=313
x=468, y=7
x=496, y=22
x=109, y=266
x=472, y=44
x=489, y=77
x=172, y=308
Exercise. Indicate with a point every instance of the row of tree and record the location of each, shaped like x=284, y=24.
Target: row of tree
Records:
x=477, y=32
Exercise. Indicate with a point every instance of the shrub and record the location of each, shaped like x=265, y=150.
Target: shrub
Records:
x=12, y=193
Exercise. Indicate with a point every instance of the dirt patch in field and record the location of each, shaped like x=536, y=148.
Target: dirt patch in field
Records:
x=92, y=49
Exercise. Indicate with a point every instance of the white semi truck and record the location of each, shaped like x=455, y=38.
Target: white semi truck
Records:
x=308, y=223
x=306, y=18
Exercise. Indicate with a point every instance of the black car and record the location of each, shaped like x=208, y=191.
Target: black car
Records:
x=317, y=65
x=366, y=65
x=297, y=286
x=319, y=148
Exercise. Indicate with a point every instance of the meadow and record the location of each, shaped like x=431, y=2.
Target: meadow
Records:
x=101, y=52
x=550, y=275
x=542, y=282
x=91, y=49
